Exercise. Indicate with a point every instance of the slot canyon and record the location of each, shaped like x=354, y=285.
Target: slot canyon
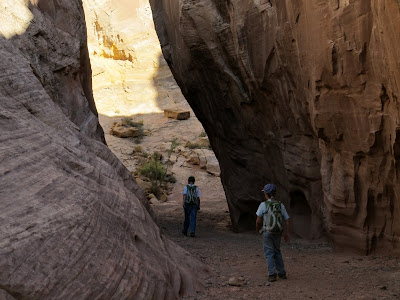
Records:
x=301, y=93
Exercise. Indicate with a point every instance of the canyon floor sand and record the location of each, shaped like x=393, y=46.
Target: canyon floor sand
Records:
x=314, y=270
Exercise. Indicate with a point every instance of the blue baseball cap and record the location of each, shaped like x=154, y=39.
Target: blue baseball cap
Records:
x=269, y=188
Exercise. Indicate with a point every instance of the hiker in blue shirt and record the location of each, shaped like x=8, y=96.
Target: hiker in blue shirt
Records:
x=191, y=204
x=271, y=215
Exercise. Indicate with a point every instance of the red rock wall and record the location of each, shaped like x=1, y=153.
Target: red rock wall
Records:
x=303, y=94
x=72, y=225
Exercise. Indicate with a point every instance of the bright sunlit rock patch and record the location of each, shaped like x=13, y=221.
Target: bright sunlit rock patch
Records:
x=125, y=56
x=15, y=17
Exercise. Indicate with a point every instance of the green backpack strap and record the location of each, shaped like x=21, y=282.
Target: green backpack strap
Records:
x=273, y=217
x=191, y=194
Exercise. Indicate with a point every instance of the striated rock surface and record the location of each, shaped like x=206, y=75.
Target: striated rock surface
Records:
x=303, y=94
x=72, y=220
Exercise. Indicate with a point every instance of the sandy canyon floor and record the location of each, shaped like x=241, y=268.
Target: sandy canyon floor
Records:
x=314, y=270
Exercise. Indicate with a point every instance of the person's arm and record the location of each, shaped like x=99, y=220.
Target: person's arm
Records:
x=183, y=200
x=259, y=223
x=260, y=218
x=287, y=234
x=198, y=193
x=287, y=219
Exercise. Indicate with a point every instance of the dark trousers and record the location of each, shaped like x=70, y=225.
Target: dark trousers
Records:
x=190, y=218
x=272, y=252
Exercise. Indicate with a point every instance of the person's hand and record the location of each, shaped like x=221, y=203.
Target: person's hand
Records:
x=287, y=237
x=198, y=207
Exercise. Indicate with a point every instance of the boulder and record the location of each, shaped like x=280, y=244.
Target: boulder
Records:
x=212, y=165
x=163, y=197
x=150, y=196
x=193, y=158
x=206, y=159
x=154, y=201
x=237, y=281
x=124, y=132
x=177, y=114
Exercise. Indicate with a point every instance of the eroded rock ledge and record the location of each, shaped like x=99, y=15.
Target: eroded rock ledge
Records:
x=303, y=94
x=72, y=225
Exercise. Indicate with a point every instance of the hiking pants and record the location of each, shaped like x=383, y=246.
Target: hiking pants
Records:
x=190, y=218
x=272, y=252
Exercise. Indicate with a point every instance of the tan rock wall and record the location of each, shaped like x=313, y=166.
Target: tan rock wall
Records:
x=303, y=94
x=72, y=222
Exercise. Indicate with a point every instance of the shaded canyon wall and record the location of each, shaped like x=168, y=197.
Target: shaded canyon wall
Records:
x=73, y=223
x=303, y=94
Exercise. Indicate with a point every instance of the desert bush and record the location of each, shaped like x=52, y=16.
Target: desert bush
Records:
x=170, y=178
x=174, y=144
x=154, y=170
x=155, y=190
x=128, y=122
x=137, y=149
x=196, y=145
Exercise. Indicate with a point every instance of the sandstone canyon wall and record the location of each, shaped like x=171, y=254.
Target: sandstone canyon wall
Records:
x=73, y=224
x=301, y=93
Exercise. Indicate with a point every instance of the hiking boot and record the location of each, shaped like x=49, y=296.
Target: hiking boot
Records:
x=271, y=278
x=184, y=233
x=282, y=276
x=192, y=234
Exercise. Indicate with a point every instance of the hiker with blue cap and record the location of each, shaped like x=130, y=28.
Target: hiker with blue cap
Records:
x=271, y=218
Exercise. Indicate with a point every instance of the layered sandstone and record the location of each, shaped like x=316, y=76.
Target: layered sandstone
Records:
x=125, y=56
x=73, y=223
x=303, y=94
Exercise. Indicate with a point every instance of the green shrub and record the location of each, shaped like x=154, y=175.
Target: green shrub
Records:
x=137, y=149
x=157, y=155
x=155, y=190
x=154, y=170
x=128, y=122
x=170, y=178
x=196, y=145
x=174, y=144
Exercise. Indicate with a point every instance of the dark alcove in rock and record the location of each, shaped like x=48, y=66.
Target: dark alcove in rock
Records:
x=300, y=215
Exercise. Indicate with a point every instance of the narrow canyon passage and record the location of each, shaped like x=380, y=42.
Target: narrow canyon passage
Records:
x=74, y=224
x=132, y=80
x=144, y=89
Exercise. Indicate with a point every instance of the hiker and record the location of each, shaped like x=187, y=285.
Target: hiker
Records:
x=191, y=204
x=270, y=215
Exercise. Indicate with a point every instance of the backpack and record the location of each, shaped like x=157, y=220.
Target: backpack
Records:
x=191, y=194
x=273, y=217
